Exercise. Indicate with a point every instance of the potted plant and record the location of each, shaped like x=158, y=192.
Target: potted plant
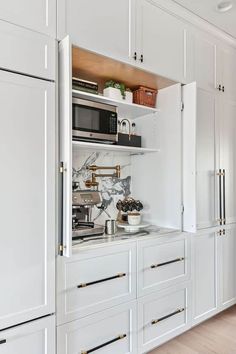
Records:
x=117, y=91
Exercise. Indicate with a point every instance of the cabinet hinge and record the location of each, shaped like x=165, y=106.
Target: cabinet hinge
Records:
x=182, y=106
x=62, y=169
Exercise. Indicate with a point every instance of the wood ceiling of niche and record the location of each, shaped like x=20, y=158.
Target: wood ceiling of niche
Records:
x=95, y=67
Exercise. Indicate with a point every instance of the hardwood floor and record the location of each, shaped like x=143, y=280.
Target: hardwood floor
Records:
x=217, y=335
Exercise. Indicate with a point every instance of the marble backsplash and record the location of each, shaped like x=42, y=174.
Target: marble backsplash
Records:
x=112, y=189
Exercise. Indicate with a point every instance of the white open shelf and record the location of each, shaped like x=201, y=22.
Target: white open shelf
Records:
x=124, y=109
x=114, y=148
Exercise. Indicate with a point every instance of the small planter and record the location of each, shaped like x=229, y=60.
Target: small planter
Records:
x=115, y=94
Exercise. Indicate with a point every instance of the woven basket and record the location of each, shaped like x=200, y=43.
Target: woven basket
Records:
x=145, y=96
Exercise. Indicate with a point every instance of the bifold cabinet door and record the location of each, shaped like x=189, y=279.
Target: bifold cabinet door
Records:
x=38, y=15
x=96, y=25
x=36, y=337
x=27, y=205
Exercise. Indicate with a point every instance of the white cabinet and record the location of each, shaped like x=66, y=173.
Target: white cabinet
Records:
x=205, y=274
x=95, y=279
x=27, y=208
x=163, y=262
x=227, y=266
x=162, y=316
x=111, y=331
x=104, y=26
x=161, y=41
x=27, y=52
x=36, y=337
x=213, y=271
x=38, y=15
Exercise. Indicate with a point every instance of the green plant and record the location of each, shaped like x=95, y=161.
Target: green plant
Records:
x=117, y=85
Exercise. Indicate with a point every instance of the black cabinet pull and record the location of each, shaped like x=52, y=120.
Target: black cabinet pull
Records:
x=219, y=87
x=119, y=275
x=167, y=316
x=223, y=89
x=220, y=196
x=104, y=345
x=141, y=58
x=3, y=341
x=135, y=56
x=180, y=259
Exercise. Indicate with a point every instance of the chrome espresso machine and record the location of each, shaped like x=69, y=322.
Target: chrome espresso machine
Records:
x=83, y=202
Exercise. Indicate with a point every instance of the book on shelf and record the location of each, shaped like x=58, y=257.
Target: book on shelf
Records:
x=84, y=85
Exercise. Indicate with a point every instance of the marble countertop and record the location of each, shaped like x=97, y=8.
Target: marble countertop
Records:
x=122, y=236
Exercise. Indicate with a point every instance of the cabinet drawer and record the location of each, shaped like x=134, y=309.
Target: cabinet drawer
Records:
x=94, y=280
x=27, y=52
x=162, y=263
x=162, y=316
x=36, y=337
x=109, y=332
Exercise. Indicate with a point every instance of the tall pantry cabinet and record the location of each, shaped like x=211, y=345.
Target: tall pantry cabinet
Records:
x=209, y=175
x=28, y=160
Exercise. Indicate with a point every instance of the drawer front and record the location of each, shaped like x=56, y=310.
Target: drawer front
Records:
x=162, y=264
x=95, y=280
x=37, y=337
x=27, y=52
x=162, y=316
x=110, y=332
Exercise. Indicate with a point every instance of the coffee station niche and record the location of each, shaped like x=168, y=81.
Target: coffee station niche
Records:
x=123, y=156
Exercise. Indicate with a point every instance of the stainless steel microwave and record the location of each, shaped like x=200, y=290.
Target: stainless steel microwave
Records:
x=93, y=121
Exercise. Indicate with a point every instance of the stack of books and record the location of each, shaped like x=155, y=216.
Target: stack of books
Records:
x=84, y=85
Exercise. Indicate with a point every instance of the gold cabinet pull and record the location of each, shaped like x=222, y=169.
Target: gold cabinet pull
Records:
x=167, y=316
x=180, y=259
x=84, y=285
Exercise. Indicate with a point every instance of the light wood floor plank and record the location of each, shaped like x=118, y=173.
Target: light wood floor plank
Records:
x=215, y=336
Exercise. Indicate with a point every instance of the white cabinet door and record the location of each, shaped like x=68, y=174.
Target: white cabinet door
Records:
x=205, y=274
x=27, y=206
x=227, y=126
x=27, y=52
x=109, y=332
x=226, y=58
x=37, y=337
x=38, y=15
x=201, y=59
x=207, y=202
x=104, y=26
x=227, y=264
x=161, y=41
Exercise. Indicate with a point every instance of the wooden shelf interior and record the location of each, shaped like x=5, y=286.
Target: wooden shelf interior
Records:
x=94, y=67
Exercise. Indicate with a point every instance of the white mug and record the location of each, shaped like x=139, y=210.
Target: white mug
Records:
x=134, y=218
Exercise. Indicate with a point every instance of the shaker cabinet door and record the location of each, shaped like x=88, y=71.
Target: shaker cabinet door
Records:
x=36, y=337
x=104, y=26
x=205, y=275
x=27, y=205
x=37, y=15
x=161, y=41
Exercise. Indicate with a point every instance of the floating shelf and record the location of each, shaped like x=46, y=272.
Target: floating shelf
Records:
x=114, y=148
x=124, y=109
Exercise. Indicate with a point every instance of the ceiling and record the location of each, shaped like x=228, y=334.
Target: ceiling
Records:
x=207, y=10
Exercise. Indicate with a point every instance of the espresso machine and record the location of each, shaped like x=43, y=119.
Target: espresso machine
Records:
x=83, y=201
